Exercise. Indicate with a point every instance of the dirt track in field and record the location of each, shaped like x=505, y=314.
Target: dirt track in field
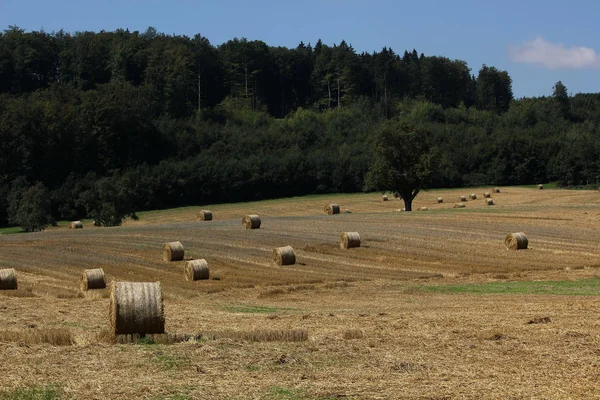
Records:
x=409, y=343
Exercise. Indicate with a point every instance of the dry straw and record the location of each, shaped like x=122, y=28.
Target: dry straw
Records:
x=440, y=200
x=349, y=240
x=284, y=256
x=136, y=308
x=332, y=209
x=463, y=198
x=76, y=225
x=540, y=186
x=173, y=251
x=496, y=190
x=205, y=215
x=8, y=279
x=490, y=202
x=459, y=205
x=516, y=241
x=251, y=221
x=196, y=270
x=473, y=196
x=385, y=197
x=92, y=279
x=422, y=209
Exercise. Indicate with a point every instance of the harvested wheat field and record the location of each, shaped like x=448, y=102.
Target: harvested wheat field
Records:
x=432, y=305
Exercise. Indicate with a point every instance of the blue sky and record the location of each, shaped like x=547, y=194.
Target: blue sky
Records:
x=537, y=42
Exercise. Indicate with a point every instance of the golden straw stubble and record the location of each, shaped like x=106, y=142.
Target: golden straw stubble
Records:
x=196, y=270
x=173, y=251
x=516, y=241
x=349, y=240
x=136, y=308
x=284, y=255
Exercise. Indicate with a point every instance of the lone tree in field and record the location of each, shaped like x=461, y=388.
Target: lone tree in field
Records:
x=403, y=160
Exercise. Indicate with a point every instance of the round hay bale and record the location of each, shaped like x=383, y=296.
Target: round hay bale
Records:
x=490, y=202
x=459, y=205
x=251, y=221
x=496, y=190
x=8, y=279
x=385, y=197
x=463, y=198
x=540, y=186
x=76, y=225
x=487, y=195
x=332, y=209
x=136, y=308
x=96, y=223
x=440, y=200
x=397, y=195
x=173, y=251
x=422, y=209
x=284, y=256
x=196, y=270
x=205, y=215
x=516, y=241
x=473, y=196
x=92, y=279
x=349, y=240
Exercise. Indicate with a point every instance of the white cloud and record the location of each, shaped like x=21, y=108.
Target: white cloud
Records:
x=554, y=55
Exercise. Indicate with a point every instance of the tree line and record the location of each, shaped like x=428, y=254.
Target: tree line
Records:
x=104, y=124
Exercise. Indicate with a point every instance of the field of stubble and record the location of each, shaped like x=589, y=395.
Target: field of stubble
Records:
x=375, y=326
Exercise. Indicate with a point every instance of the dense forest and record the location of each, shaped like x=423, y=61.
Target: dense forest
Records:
x=105, y=124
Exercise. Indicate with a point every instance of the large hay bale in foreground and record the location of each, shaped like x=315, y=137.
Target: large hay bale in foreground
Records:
x=92, y=279
x=284, y=256
x=349, y=240
x=463, y=198
x=136, y=308
x=516, y=241
x=205, y=215
x=487, y=195
x=173, y=251
x=76, y=225
x=384, y=197
x=251, y=221
x=196, y=270
x=332, y=209
x=490, y=202
x=8, y=279
x=459, y=205
x=440, y=200
x=540, y=186
x=473, y=196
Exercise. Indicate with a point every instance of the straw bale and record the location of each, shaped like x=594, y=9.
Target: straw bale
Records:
x=205, y=215
x=173, y=251
x=459, y=205
x=251, y=221
x=440, y=200
x=196, y=270
x=136, y=308
x=487, y=195
x=93, y=279
x=8, y=279
x=332, y=209
x=76, y=225
x=490, y=202
x=516, y=241
x=385, y=197
x=349, y=240
x=473, y=196
x=284, y=256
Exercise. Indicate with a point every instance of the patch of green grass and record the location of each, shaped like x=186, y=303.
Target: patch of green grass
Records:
x=32, y=393
x=168, y=361
x=242, y=308
x=584, y=287
x=11, y=230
